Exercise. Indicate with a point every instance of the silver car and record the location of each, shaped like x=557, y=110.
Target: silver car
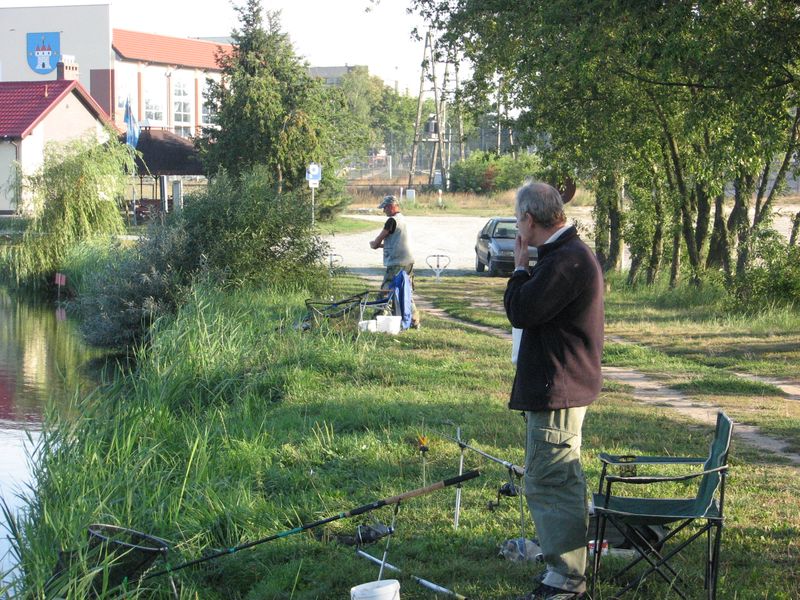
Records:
x=494, y=247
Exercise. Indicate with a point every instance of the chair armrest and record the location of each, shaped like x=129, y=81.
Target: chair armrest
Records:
x=630, y=459
x=642, y=480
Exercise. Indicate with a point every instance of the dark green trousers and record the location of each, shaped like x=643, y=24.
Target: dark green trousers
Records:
x=555, y=489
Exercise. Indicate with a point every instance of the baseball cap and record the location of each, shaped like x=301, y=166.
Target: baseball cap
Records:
x=387, y=201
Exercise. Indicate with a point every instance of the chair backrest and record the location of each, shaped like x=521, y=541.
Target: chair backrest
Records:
x=717, y=457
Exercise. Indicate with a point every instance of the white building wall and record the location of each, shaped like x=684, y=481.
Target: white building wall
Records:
x=126, y=85
x=85, y=33
x=8, y=158
x=69, y=120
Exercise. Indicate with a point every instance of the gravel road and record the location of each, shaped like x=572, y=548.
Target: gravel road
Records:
x=451, y=236
x=454, y=236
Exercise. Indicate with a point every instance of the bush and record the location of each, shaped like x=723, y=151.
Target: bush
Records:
x=772, y=279
x=243, y=231
x=72, y=198
x=238, y=231
x=486, y=173
x=512, y=172
x=134, y=288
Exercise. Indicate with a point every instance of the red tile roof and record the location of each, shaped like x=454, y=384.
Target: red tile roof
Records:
x=161, y=49
x=23, y=104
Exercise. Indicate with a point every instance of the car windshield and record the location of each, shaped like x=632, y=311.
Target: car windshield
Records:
x=505, y=230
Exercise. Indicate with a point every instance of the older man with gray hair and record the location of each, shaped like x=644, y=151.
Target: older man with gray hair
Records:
x=558, y=304
x=395, y=241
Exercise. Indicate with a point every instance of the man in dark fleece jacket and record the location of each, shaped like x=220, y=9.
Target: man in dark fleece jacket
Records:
x=559, y=307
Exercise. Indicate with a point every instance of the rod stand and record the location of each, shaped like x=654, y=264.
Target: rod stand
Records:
x=438, y=262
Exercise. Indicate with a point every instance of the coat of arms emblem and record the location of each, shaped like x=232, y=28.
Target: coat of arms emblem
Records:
x=43, y=51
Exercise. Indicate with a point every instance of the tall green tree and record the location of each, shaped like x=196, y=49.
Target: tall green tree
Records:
x=269, y=110
x=703, y=89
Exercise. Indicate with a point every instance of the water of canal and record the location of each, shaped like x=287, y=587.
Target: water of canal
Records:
x=42, y=362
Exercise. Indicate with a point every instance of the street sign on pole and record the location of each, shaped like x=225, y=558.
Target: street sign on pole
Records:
x=313, y=176
x=313, y=173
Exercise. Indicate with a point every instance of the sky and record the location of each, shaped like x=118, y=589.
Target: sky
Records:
x=324, y=32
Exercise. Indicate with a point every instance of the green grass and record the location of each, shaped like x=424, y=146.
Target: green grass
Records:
x=345, y=225
x=682, y=338
x=237, y=426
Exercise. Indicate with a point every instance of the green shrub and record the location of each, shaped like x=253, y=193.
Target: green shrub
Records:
x=242, y=231
x=135, y=286
x=512, y=172
x=469, y=175
x=486, y=173
x=772, y=279
x=238, y=231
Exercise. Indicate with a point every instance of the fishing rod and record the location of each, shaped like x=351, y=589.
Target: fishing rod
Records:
x=507, y=489
x=342, y=515
x=515, y=469
x=423, y=582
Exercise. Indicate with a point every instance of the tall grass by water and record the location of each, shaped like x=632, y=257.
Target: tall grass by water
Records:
x=236, y=426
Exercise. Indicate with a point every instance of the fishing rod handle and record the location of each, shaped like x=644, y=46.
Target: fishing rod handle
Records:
x=413, y=493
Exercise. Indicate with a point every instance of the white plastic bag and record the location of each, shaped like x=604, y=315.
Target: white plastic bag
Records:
x=516, y=337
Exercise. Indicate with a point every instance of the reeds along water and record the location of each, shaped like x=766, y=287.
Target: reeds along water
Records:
x=190, y=444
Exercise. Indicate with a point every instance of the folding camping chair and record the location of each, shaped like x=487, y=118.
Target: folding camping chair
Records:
x=320, y=310
x=706, y=509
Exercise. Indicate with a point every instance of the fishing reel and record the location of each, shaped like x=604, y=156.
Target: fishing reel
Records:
x=508, y=489
x=365, y=535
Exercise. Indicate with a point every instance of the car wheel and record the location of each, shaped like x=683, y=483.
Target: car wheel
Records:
x=493, y=270
x=479, y=266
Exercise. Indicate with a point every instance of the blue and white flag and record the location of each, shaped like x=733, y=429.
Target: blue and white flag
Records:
x=132, y=136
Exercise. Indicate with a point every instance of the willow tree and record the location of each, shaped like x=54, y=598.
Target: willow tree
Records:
x=73, y=197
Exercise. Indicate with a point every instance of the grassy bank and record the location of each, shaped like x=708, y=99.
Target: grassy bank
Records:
x=238, y=426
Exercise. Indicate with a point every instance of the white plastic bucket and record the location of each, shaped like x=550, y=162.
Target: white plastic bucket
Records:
x=371, y=325
x=389, y=323
x=386, y=589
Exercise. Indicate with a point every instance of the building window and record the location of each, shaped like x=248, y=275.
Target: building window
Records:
x=181, y=109
x=154, y=92
x=153, y=111
x=208, y=114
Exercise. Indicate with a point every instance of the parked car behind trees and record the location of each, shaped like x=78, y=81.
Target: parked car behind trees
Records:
x=495, y=246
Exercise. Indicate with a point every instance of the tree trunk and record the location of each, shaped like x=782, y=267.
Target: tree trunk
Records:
x=601, y=227
x=739, y=220
x=688, y=238
x=615, y=243
x=703, y=218
x=633, y=274
x=657, y=242
x=608, y=214
x=795, y=230
x=675, y=266
x=763, y=212
x=684, y=215
x=615, y=224
x=719, y=251
x=675, y=269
